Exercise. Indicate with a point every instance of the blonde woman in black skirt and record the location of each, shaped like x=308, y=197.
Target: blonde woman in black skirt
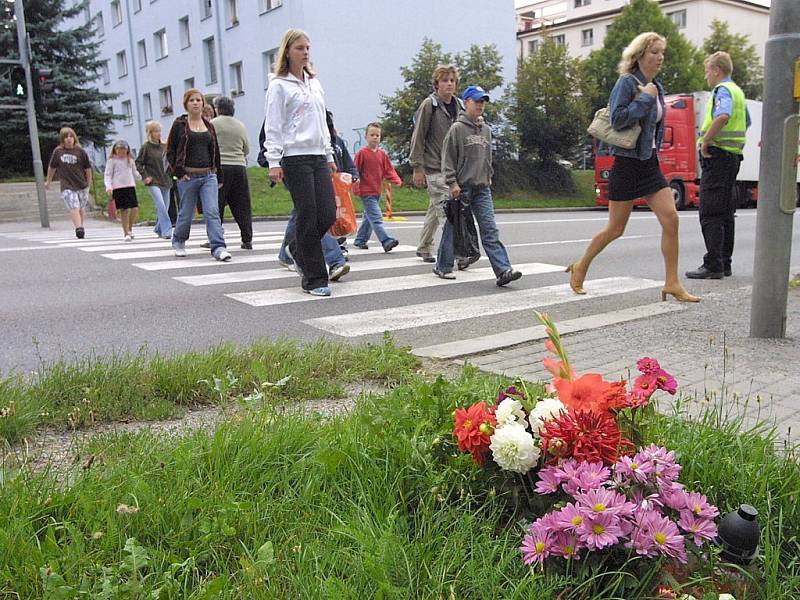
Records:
x=638, y=97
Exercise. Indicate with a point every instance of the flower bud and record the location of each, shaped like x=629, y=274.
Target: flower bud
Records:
x=486, y=428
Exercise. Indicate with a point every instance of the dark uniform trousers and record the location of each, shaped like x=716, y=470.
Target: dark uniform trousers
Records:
x=236, y=193
x=717, y=207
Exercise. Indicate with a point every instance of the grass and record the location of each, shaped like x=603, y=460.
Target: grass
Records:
x=366, y=505
x=275, y=201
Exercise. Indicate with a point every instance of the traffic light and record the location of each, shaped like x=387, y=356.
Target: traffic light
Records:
x=19, y=87
x=44, y=86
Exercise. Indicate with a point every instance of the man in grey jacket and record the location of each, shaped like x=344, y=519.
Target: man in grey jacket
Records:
x=432, y=121
x=467, y=170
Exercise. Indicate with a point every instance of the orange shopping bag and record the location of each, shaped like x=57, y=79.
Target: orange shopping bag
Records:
x=345, y=223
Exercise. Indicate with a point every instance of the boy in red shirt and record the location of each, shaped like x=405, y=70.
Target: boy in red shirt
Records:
x=374, y=166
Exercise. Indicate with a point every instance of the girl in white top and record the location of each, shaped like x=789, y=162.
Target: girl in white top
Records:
x=120, y=180
x=298, y=148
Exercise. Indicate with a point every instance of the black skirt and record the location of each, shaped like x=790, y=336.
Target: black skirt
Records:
x=125, y=198
x=631, y=178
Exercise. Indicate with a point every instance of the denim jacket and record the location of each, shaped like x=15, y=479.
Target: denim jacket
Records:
x=626, y=109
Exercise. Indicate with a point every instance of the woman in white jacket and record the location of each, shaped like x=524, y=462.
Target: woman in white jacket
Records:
x=298, y=149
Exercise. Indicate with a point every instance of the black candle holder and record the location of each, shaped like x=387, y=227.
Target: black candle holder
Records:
x=738, y=535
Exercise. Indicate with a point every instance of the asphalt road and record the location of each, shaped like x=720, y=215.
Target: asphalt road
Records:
x=60, y=301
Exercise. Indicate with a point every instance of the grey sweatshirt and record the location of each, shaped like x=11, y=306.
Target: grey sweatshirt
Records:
x=431, y=124
x=467, y=153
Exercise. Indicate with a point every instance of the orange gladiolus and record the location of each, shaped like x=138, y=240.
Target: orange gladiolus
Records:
x=588, y=392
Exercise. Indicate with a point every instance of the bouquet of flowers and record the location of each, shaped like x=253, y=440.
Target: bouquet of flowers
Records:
x=581, y=417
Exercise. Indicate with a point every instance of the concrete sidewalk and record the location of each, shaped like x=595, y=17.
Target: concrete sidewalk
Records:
x=706, y=347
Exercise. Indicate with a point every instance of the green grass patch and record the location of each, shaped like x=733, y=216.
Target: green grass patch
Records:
x=275, y=201
x=367, y=505
x=148, y=387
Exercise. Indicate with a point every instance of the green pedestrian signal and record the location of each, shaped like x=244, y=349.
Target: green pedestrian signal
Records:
x=19, y=87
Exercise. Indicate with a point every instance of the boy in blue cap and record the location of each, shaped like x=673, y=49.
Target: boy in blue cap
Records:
x=467, y=169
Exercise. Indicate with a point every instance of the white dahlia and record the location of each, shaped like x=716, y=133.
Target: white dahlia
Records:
x=514, y=449
x=544, y=410
x=508, y=412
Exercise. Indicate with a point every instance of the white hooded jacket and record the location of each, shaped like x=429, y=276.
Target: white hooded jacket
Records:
x=295, y=119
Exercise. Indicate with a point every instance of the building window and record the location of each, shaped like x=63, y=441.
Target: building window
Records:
x=185, y=34
x=160, y=43
x=127, y=111
x=587, y=37
x=268, y=64
x=99, y=27
x=232, y=12
x=165, y=100
x=142, y=53
x=579, y=3
x=270, y=5
x=533, y=46
x=679, y=18
x=148, y=107
x=205, y=9
x=137, y=5
x=210, y=54
x=560, y=40
x=105, y=72
x=188, y=83
x=116, y=13
x=122, y=63
x=237, y=81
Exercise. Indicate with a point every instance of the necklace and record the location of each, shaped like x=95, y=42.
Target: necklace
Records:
x=196, y=127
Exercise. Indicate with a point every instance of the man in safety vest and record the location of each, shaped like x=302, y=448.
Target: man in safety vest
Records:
x=721, y=144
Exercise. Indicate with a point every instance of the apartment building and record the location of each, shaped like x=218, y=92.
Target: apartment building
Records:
x=153, y=50
x=582, y=24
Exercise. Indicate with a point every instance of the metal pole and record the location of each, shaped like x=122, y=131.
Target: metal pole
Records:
x=773, y=225
x=33, y=130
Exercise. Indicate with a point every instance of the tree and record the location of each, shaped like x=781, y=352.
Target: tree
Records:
x=73, y=56
x=747, y=69
x=683, y=67
x=479, y=65
x=550, y=103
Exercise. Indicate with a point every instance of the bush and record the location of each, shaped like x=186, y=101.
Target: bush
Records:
x=547, y=177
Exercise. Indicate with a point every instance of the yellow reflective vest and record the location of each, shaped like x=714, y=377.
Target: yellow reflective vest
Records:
x=731, y=137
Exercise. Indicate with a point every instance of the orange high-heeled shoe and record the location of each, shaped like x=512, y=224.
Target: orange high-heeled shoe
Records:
x=680, y=295
x=573, y=280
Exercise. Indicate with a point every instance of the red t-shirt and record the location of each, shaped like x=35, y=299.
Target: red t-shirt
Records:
x=373, y=167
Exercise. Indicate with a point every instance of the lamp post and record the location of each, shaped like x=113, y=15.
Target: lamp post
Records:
x=33, y=130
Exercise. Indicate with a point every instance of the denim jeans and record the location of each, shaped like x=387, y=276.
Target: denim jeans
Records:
x=480, y=200
x=205, y=188
x=372, y=219
x=308, y=178
x=160, y=196
x=330, y=247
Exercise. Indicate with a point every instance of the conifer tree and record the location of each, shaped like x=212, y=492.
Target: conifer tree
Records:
x=68, y=49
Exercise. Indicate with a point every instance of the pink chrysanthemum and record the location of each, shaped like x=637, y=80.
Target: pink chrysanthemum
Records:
x=536, y=544
x=590, y=476
x=647, y=365
x=699, y=506
x=604, y=501
x=631, y=470
x=600, y=531
x=566, y=545
x=699, y=528
x=550, y=478
x=569, y=518
x=667, y=539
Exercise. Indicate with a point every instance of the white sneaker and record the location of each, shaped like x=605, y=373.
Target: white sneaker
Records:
x=180, y=252
x=223, y=255
x=129, y=238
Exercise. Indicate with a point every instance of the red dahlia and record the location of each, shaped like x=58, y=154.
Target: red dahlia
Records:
x=584, y=435
x=471, y=436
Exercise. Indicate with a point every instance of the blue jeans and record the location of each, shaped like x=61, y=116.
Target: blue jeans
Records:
x=372, y=219
x=160, y=196
x=480, y=200
x=205, y=187
x=330, y=247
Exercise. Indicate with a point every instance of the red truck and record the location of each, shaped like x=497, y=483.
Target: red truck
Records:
x=678, y=155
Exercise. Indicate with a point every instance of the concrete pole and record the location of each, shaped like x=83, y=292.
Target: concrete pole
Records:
x=774, y=226
x=33, y=130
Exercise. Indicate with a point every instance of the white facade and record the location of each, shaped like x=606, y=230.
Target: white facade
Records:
x=155, y=49
x=582, y=24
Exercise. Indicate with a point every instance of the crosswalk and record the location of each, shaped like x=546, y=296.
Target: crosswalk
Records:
x=393, y=278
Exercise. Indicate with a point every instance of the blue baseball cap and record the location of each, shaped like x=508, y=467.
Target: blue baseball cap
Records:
x=475, y=92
